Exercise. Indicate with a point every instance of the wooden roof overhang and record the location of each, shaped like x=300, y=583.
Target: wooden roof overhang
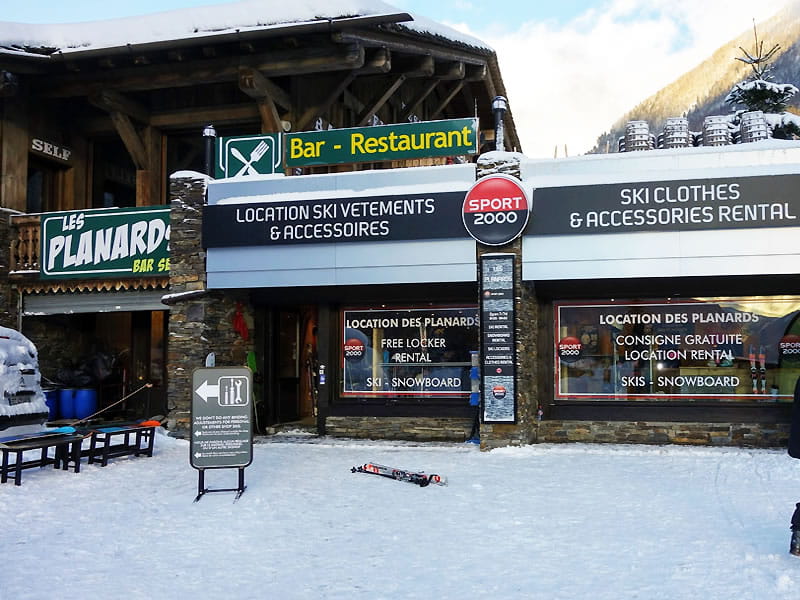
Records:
x=284, y=76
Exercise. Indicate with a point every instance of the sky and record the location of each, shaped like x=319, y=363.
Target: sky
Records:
x=541, y=522
x=571, y=67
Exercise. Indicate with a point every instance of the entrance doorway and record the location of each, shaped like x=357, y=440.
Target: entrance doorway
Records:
x=291, y=366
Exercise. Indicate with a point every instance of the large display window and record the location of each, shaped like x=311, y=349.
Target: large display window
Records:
x=408, y=352
x=729, y=349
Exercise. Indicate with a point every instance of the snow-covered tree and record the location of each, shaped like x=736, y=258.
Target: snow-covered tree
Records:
x=759, y=92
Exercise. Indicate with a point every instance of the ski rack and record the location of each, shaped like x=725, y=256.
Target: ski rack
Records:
x=202, y=489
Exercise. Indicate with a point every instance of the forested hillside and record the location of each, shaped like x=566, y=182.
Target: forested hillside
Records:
x=702, y=91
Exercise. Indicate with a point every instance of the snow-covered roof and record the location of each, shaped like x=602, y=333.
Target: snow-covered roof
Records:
x=242, y=18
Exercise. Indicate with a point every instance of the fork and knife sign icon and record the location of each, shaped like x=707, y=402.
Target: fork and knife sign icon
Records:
x=257, y=154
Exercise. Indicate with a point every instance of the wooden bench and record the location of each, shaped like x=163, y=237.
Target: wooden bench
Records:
x=136, y=440
x=67, y=448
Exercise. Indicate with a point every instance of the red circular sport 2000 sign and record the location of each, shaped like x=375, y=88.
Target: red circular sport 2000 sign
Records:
x=354, y=349
x=496, y=210
x=570, y=349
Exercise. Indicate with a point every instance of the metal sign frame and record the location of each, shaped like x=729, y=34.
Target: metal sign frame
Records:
x=221, y=423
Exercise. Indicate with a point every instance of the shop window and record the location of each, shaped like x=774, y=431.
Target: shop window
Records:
x=408, y=352
x=729, y=349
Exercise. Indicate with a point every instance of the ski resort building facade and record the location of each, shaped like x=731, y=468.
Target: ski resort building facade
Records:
x=94, y=117
x=640, y=297
x=652, y=297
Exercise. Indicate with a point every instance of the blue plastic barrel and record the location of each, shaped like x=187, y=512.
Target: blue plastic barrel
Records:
x=66, y=403
x=85, y=402
x=51, y=399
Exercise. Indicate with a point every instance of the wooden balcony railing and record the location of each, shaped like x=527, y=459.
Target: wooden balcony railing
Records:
x=24, y=244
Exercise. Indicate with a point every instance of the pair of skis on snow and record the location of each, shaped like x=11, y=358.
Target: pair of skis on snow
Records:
x=758, y=372
x=420, y=478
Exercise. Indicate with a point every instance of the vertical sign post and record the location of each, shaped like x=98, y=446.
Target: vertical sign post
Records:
x=222, y=428
x=498, y=343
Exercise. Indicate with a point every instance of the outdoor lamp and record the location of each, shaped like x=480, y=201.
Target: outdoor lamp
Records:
x=794, y=547
x=209, y=136
x=499, y=108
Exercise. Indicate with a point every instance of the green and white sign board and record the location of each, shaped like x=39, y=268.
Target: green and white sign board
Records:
x=106, y=242
x=248, y=155
x=453, y=137
x=222, y=424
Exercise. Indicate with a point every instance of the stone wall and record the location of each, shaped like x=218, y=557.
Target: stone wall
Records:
x=399, y=428
x=201, y=321
x=698, y=434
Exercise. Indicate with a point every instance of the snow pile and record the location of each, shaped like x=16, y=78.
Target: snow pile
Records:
x=544, y=522
x=202, y=21
x=19, y=372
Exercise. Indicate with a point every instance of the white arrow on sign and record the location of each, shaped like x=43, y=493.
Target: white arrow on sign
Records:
x=197, y=455
x=206, y=391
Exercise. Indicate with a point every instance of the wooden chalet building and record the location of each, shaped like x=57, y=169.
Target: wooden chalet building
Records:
x=99, y=115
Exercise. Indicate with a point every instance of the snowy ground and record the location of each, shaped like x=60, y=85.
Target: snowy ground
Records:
x=549, y=521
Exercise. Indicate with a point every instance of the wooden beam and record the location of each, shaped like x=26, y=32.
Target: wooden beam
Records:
x=351, y=102
x=218, y=70
x=112, y=101
x=270, y=119
x=130, y=137
x=318, y=110
x=450, y=71
x=401, y=45
x=418, y=99
x=376, y=62
x=476, y=73
x=423, y=66
x=446, y=100
x=255, y=85
x=376, y=105
x=182, y=118
x=14, y=149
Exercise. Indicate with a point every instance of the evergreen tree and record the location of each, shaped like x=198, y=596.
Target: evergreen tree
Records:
x=759, y=92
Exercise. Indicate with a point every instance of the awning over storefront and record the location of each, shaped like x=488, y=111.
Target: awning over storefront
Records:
x=92, y=302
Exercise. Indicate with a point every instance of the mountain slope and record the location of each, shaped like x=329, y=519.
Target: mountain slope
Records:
x=702, y=91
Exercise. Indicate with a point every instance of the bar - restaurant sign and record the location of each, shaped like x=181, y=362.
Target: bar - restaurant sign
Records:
x=113, y=242
x=452, y=137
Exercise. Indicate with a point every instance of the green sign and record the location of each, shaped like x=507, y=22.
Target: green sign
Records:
x=454, y=137
x=248, y=155
x=107, y=242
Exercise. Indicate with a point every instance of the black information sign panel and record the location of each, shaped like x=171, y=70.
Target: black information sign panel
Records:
x=498, y=376
x=359, y=219
x=678, y=205
x=222, y=431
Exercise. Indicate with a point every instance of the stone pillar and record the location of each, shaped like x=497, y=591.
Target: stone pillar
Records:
x=201, y=321
x=526, y=329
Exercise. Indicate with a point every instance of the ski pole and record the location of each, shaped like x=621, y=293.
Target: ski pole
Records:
x=136, y=391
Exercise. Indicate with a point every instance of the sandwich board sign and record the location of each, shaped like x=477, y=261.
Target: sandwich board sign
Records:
x=221, y=422
x=243, y=155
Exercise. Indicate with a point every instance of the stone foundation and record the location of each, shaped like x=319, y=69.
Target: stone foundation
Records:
x=200, y=321
x=399, y=428
x=753, y=435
